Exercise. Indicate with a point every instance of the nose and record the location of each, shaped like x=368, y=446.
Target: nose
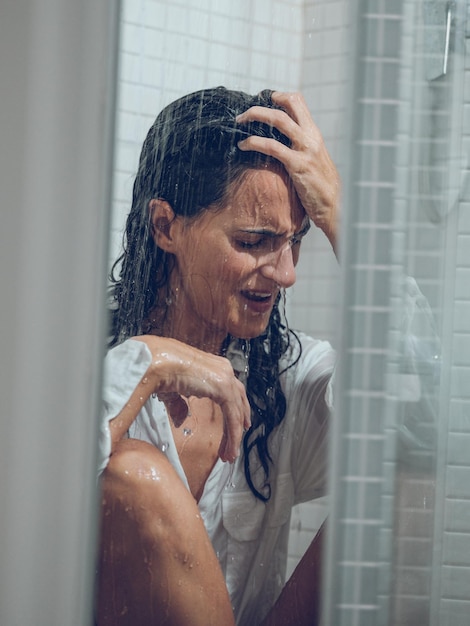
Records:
x=280, y=267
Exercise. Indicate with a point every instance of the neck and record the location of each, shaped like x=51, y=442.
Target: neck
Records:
x=168, y=321
x=177, y=326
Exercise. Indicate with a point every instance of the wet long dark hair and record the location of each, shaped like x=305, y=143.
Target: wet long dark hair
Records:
x=190, y=158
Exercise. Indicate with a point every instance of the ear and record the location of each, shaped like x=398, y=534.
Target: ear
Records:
x=162, y=217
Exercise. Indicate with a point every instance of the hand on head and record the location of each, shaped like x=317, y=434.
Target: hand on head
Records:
x=307, y=161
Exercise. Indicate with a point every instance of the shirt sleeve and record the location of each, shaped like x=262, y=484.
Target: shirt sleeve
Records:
x=124, y=367
x=310, y=399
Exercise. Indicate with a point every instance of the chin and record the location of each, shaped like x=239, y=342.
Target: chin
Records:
x=248, y=331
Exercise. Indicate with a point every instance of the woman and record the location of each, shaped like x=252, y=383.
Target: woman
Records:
x=215, y=412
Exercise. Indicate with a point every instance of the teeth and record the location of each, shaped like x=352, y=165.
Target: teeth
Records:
x=258, y=295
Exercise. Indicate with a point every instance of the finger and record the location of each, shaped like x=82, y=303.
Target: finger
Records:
x=295, y=105
x=247, y=422
x=229, y=448
x=228, y=452
x=245, y=405
x=268, y=146
x=303, y=139
x=176, y=407
x=223, y=454
x=230, y=444
x=247, y=412
x=273, y=117
x=273, y=148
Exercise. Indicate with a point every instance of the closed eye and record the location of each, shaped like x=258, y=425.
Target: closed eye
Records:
x=250, y=245
x=266, y=239
x=255, y=241
x=264, y=242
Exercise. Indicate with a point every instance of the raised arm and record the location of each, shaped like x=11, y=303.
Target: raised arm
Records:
x=177, y=371
x=307, y=161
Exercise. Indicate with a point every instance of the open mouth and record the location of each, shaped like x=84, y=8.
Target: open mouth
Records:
x=258, y=301
x=257, y=296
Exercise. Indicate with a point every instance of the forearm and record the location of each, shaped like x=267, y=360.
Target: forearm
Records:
x=175, y=371
x=153, y=381
x=331, y=231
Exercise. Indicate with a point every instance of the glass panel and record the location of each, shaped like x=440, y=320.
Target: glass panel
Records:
x=398, y=549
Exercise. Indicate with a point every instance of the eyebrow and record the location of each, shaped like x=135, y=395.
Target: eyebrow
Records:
x=266, y=232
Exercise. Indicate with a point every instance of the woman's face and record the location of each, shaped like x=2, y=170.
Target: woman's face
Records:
x=231, y=263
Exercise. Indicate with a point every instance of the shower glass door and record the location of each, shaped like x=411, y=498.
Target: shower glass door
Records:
x=399, y=544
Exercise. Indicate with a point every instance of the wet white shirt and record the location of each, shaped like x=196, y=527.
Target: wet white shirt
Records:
x=250, y=537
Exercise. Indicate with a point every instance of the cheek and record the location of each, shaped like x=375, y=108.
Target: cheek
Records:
x=237, y=267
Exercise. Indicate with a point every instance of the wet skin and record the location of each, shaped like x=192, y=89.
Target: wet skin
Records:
x=232, y=262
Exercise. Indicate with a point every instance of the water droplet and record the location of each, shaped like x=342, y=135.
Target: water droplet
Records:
x=154, y=474
x=187, y=432
x=165, y=446
x=145, y=380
